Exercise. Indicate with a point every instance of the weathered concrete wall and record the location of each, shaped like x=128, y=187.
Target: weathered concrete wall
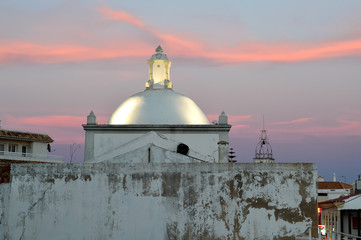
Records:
x=154, y=154
x=162, y=201
x=4, y=209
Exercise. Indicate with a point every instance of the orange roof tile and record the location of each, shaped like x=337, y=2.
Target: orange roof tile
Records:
x=340, y=199
x=25, y=136
x=333, y=185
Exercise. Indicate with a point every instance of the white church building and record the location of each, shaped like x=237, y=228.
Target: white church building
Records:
x=157, y=121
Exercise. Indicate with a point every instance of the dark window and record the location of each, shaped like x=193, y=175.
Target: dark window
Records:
x=354, y=222
x=2, y=149
x=23, y=150
x=322, y=194
x=12, y=147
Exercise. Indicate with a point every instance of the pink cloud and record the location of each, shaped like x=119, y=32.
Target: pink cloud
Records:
x=19, y=51
x=239, y=118
x=346, y=125
x=64, y=129
x=30, y=52
x=285, y=52
x=59, y=121
x=343, y=128
x=300, y=120
x=237, y=126
x=176, y=44
x=231, y=119
x=122, y=16
x=48, y=121
x=179, y=46
x=237, y=122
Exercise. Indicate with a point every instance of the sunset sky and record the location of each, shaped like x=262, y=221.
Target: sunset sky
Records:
x=296, y=63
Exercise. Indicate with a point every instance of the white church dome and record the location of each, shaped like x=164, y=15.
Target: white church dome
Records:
x=158, y=104
x=158, y=107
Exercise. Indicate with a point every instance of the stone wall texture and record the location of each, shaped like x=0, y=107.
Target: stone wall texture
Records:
x=4, y=209
x=159, y=201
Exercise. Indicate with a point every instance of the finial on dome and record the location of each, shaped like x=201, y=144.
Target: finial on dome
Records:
x=159, y=49
x=223, y=119
x=92, y=119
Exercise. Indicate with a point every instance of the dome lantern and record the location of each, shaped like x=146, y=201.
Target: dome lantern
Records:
x=159, y=66
x=158, y=104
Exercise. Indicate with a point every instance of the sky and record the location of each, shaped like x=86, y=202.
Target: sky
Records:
x=298, y=64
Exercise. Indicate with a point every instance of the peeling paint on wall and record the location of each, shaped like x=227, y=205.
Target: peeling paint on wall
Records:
x=4, y=210
x=161, y=201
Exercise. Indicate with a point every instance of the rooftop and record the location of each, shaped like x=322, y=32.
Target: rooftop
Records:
x=333, y=185
x=25, y=136
x=342, y=199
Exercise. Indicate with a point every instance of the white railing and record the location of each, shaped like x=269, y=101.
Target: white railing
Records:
x=334, y=235
x=30, y=157
x=330, y=235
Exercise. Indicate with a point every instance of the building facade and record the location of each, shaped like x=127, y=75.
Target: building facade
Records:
x=330, y=190
x=160, y=109
x=342, y=214
x=23, y=147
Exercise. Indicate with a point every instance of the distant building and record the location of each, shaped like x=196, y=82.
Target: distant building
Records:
x=332, y=190
x=342, y=214
x=23, y=147
x=26, y=147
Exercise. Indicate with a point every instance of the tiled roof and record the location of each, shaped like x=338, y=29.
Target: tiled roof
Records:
x=340, y=199
x=333, y=185
x=25, y=136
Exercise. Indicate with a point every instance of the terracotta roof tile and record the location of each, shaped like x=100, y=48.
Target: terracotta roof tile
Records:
x=25, y=136
x=340, y=199
x=333, y=185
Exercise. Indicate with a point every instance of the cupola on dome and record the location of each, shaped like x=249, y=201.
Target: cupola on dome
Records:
x=158, y=104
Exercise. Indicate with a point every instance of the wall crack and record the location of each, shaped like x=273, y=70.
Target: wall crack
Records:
x=32, y=207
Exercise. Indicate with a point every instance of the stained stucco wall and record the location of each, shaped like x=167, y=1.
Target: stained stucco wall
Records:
x=204, y=139
x=161, y=201
x=205, y=144
x=4, y=209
